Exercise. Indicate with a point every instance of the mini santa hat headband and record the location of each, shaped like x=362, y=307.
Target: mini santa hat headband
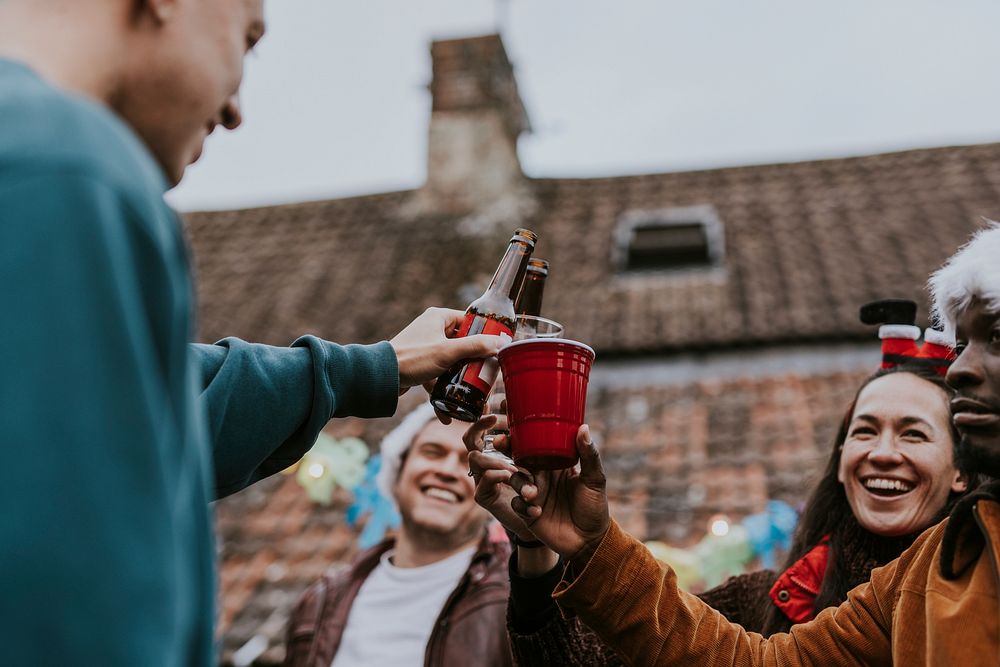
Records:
x=900, y=334
x=971, y=273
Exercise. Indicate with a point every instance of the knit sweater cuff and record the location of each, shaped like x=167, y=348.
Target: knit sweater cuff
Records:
x=559, y=641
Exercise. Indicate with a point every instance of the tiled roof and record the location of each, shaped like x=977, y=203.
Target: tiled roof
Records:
x=674, y=457
x=805, y=244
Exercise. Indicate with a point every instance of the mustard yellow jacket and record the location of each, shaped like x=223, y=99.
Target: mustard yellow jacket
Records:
x=908, y=614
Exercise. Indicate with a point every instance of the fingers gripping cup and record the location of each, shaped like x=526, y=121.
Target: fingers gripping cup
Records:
x=546, y=381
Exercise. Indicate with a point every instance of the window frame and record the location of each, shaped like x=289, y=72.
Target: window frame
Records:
x=703, y=215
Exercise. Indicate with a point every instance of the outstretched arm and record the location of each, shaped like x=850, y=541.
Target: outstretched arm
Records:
x=266, y=405
x=540, y=635
x=616, y=586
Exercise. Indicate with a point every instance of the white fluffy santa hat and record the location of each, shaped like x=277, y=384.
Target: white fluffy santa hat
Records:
x=971, y=273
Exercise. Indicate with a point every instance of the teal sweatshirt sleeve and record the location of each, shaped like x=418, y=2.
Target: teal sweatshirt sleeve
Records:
x=266, y=405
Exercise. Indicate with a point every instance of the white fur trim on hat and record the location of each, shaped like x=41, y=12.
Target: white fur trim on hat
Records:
x=972, y=273
x=907, y=331
x=395, y=444
x=938, y=338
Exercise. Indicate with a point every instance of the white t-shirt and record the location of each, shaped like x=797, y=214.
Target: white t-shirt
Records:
x=395, y=610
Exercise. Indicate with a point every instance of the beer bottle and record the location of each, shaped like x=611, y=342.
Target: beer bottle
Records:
x=461, y=392
x=529, y=302
x=529, y=299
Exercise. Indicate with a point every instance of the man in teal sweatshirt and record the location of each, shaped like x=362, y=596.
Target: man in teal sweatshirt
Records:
x=115, y=431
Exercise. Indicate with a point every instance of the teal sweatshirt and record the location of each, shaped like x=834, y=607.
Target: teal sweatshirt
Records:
x=115, y=431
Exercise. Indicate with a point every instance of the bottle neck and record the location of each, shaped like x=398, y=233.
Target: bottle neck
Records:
x=509, y=275
x=529, y=301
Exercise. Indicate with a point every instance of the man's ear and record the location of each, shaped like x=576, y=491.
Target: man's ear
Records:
x=161, y=11
x=961, y=483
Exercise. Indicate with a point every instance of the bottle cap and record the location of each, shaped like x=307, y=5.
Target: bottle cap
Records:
x=526, y=235
x=539, y=266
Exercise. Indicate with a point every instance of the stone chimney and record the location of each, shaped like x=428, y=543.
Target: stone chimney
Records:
x=476, y=118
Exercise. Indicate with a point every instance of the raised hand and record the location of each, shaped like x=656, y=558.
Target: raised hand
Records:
x=566, y=509
x=492, y=474
x=425, y=349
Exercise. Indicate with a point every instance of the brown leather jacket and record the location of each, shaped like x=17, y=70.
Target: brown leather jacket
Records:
x=471, y=629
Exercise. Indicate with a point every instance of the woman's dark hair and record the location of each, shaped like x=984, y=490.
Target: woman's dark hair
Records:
x=827, y=512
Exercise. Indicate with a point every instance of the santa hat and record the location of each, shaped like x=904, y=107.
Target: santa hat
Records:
x=971, y=273
x=898, y=330
x=395, y=445
x=900, y=334
x=937, y=352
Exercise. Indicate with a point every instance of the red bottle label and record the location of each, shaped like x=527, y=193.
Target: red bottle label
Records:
x=482, y=372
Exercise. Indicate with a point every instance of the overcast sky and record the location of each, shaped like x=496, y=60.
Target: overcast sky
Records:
x=335, y=100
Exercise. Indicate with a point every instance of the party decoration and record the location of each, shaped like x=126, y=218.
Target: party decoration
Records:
x=369, y=502
x=899, y=335
x=723, y=554
x=329, y=464
x=685, y=563
x=728, y=548
x=771, y=531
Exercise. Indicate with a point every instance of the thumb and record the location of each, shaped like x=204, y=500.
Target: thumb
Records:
x=591, y=470
x=474, y=347
x=451, y=320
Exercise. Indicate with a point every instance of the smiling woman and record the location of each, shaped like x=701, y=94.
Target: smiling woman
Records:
x=891, y=475
x=896, y=461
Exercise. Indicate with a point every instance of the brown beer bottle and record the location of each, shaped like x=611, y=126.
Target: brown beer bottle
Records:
x=529, y=299
x=461, y=392
x=529, y=302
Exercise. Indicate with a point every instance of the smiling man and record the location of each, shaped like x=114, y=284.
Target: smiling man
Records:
x=437, y=594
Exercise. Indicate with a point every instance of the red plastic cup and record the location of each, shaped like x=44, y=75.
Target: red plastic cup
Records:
x=546, y=383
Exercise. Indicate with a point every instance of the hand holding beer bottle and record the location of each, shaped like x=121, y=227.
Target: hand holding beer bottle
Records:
x=461, y=392
x=424, y=349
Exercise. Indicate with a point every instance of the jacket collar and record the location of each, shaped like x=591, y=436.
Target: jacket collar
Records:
x=366, y=561
x=342, y=588
x=795, y=590
x=963, y=539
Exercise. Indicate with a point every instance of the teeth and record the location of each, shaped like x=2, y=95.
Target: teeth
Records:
x=887, y=484
x=441, y=494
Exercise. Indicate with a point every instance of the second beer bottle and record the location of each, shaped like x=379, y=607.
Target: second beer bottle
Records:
x=461, y=392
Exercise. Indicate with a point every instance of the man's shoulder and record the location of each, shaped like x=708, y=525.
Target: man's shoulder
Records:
x=311, y=601
x=489, y=566
x=495, y=554
x=916, y=565
x=47, y=130
x=926, y=548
